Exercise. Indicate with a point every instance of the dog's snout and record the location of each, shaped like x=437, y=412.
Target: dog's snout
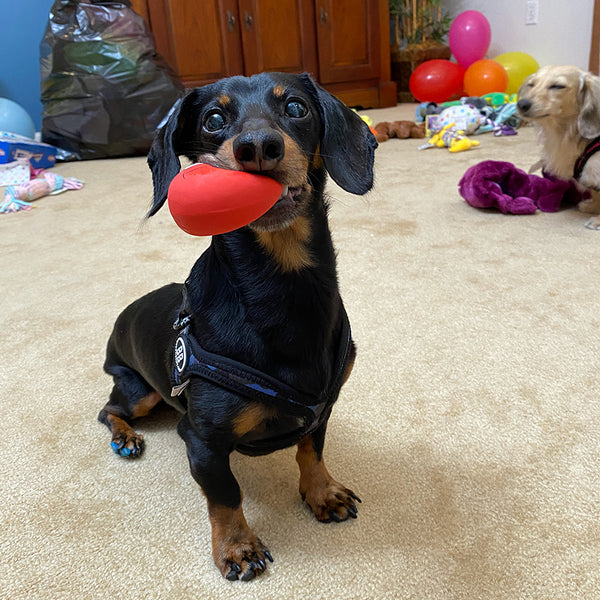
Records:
x=524, y=105
x=259, y=149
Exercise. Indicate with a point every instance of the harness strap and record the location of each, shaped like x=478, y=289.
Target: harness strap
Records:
x=190, y=359
x=590, y=150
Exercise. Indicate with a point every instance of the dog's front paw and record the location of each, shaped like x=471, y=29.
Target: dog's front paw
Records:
x=127, y=443
x=590, y=206
x=593, y=223
x=243, y=558
x=237, y=551
x=331, y=501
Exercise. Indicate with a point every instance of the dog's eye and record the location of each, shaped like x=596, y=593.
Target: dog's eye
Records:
x=296, y=109
x=214, y=121
x=557, y=86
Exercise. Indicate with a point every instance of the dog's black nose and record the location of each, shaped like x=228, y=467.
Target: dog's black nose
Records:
x=259, y=149
x=524, y=105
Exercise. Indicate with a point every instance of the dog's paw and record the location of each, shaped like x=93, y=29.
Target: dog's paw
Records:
x=589, y=206
x=593, y=223
x=127, y=444
x=331, y=502
x=243, y=558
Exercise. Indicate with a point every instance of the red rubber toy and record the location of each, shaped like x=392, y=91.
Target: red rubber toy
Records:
x=205, y=200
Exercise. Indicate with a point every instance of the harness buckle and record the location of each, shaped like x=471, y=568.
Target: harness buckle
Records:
x=181, y=322
x=176, y=390
x=185, y=314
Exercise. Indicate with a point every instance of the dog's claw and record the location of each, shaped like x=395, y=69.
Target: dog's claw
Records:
x=233, y=572
x=116, y=446
x=128, y=447
x=254, y=568
x=334, y=517
x=354, y=496
x=249, y=574
x=248, y=564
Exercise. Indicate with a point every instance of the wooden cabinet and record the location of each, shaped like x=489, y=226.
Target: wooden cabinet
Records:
x=200, y=40
x=344, y=44
x=348, y=37
x=277, y=35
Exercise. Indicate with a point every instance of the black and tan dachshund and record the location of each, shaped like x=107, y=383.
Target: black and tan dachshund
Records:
x=254, y=347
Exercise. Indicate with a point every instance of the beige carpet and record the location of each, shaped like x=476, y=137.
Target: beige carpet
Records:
x=470, y=426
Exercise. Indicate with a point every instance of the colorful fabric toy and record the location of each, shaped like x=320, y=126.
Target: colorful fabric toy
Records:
x=495, y=113
x=454, y=139
x=464, y=117
x=18, y=197
x=501, y=185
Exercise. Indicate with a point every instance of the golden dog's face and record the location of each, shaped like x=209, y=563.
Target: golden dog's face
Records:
x=554, y=91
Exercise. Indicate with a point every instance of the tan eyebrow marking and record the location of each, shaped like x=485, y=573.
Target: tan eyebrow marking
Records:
x=224, y=100
x=278, y=91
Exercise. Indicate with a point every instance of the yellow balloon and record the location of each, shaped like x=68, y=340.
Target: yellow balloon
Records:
x=518, y=66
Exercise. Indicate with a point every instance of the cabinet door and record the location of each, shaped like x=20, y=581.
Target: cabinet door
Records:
x=348, y=38
x=200, y=40
x=278, y=35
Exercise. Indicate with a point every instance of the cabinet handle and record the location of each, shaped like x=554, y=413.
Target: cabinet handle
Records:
x=248, y=20
x=324, y=16
x=230, y=21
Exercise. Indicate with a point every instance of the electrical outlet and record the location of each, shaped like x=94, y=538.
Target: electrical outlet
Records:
x=532, y=14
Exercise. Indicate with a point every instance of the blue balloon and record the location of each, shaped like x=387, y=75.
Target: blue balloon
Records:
x=14, y=119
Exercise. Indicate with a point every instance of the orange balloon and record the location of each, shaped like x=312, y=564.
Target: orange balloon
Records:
x=484, y=77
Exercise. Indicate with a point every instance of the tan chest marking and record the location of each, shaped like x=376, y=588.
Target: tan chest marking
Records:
x=289, y=247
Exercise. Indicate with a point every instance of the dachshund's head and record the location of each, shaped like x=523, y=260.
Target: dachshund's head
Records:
x=280, y=125
x=559, y=93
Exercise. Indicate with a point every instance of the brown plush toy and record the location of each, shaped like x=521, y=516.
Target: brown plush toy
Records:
x=399, y=129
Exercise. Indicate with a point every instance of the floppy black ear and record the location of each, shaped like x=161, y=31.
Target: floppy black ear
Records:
x=167, y=146
x=347, y=144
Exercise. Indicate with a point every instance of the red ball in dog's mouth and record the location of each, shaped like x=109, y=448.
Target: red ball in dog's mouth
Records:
x=206, y=200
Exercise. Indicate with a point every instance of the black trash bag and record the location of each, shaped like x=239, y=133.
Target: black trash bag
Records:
x=104, y=88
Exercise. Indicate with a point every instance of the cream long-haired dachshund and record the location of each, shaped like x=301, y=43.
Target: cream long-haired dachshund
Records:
x=564, y=104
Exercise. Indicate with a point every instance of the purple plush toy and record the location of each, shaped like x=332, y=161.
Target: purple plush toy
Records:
x=497, y=184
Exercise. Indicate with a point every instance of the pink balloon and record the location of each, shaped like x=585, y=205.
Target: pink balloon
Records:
x=469, y=37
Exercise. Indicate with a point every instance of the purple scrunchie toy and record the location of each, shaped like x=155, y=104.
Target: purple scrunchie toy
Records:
x=501, y=185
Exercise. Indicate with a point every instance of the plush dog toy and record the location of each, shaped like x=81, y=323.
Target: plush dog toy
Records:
x=18, y=197
x=399, y=129
x=501, y=185
x=454, y=139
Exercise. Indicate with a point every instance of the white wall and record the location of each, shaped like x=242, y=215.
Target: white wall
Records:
x=562, y=35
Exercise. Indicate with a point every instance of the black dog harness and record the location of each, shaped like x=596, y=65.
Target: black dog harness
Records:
x=191, y=360
x=590, y=150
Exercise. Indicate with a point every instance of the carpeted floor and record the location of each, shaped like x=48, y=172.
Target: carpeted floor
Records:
x=470, y=426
